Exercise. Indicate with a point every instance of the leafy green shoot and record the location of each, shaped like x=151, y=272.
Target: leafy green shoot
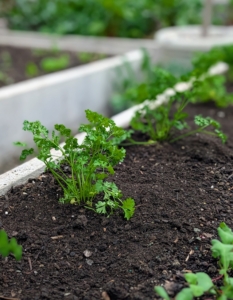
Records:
x=133, y=89
x=9, y=247
x=160, y=123
x=202, y=124
x=90, y=162
x=52, y=64
x=32, y=70
x=200, y=283
x=212, y=88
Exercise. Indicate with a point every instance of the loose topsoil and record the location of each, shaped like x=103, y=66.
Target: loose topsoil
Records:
x=182, y=192
x=16, y=63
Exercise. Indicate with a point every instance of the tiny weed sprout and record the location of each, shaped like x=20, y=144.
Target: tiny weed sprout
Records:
x=200, y=283
x=9, y=247
x=5, y=66
x=90, y=163
x=31, y=69
x=160, y=123
x=51, y=64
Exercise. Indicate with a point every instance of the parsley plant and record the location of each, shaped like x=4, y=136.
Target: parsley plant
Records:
x=90, y=162
x=159, y=123
x=211, y=88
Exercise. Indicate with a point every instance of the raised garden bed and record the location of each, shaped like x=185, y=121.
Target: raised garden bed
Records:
x=102, y=45
x=182, y=191
x=63, y=95
x=19, y=64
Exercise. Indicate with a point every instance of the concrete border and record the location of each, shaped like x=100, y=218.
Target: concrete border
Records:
x=181, y=42
x=60, y=97
x=103, y=45
x=34, y=167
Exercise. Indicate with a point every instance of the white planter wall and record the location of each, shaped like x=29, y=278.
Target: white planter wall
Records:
x=34, y=167
x=58, y=98
x=179, y=43
x=78, y=43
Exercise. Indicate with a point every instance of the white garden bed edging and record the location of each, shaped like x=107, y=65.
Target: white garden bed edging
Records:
x=60, y=97
x=104, y=45
x=34, y=167
x=181, y=42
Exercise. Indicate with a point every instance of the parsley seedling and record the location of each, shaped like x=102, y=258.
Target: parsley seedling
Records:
x=157, y=123
x=90, y=162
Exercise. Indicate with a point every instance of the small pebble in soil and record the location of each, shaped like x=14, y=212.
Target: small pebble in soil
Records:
x=127, y=227
x=87, y=253
x=72, y=254
x=212, y=269
x=104, y=222
x=221, y=114
x=67, y=250
x=89, y=262
x=103, y=247
x=176, y=263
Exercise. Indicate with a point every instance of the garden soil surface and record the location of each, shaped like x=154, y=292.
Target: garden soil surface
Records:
x=14, y=62
x=182, y=192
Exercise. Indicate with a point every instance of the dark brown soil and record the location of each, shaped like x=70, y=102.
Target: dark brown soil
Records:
x=182, y=192
x=14, y=62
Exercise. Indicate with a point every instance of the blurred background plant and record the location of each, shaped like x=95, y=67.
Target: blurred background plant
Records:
x=154, y=80
x=132, y=89
x=121, y=18
x=5, y=65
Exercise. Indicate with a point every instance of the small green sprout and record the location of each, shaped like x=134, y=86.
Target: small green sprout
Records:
x=159, y=124
x=31, y=69
x=200, y=283
x=9, y=247
x=52, y=64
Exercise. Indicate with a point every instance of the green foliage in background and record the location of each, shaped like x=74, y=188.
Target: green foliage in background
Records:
x=123, y=18
x=155, y=84
x=154, y=80
x=178, y=12
x=87, y=17
x=53, y=64
x=212, y=88
x=132, y=90
x=203, y=61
